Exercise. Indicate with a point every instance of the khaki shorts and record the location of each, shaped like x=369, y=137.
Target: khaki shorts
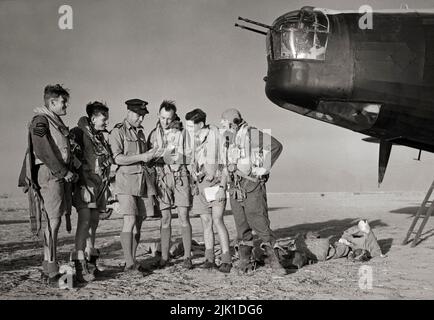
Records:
x=173, y=191
x=135, y=206
x=201, y=205
x=56, y=192
x=85, y=196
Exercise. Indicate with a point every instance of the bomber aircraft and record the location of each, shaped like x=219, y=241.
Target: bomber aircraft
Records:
x=377, y=80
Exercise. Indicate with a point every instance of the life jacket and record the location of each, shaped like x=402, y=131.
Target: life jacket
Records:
x=100, y=147
x=206, y=150
x=242, y=154
x=362, y=240
x=173, y=139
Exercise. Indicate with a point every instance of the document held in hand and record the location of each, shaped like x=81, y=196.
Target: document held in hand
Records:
x=210, y=193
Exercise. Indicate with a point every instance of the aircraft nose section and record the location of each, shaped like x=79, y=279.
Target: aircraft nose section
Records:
x=290, y=82
x=304, y=83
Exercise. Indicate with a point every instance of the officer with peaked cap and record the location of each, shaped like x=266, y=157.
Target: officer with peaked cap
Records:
x=138, y=106
x=134, y=186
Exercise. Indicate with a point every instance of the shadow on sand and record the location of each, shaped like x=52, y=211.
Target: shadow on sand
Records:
x=423, y=237
x=333, y=229
x=412, y=211
x=6, y=222
x=407, y=210
x=37, y=243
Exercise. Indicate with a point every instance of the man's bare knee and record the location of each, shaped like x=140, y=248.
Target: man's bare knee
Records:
x=184, y=221
x=206, y=221
x=55, y=223
x=218, y=221
x=129, y=222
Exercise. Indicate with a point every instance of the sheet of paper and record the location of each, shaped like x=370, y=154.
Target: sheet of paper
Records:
x=210, y=193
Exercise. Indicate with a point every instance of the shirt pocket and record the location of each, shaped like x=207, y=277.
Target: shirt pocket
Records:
x=131, y=146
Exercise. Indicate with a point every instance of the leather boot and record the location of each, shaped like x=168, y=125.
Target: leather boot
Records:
x=273, y=260
x=226, y=264
x=209, y=259
x=92, y=263
x=53, y=275
x=82, y=272
x=245, y=265
x=44, y=272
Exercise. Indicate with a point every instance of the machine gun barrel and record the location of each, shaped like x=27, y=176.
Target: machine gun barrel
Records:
x=257, y=23
x=250, y=29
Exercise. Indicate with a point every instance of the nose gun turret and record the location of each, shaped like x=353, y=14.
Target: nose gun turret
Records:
x=255, y=23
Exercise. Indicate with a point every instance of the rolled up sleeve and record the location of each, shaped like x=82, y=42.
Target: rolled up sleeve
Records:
x=270, y=147
x=116, y=142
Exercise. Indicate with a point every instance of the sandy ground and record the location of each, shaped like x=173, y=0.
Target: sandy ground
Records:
x=406, y=273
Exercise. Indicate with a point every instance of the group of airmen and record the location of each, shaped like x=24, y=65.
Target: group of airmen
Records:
x=189, y=167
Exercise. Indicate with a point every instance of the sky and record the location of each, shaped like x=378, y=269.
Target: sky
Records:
x=188, y=51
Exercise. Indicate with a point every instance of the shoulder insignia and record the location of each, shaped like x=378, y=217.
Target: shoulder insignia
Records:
x=117, y=126
x=40, y=126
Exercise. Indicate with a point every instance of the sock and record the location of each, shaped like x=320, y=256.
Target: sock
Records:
x=226, y=257
x=52, y=268
x=136, y=241
x=91, y=252
x=87, y=251
x=73, y=256
x=186, y=241
x=149, y=206
x=165, y=242
x=77, y=255
x=80, y=255
x=209, y=255
x=126, y=242
x=45, y=267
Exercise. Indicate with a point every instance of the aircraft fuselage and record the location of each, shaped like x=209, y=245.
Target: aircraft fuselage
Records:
x=379, y=82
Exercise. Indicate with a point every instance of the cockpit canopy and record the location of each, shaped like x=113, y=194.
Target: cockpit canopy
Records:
x=300, y=35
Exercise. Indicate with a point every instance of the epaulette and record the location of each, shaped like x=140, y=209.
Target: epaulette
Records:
x=117, y=126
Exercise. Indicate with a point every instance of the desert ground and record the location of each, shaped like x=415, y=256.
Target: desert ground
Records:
x=405, y=272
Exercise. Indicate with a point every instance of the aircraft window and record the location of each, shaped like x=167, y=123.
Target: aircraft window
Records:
x=269, y=45
x=302, y=39
x=354, y=115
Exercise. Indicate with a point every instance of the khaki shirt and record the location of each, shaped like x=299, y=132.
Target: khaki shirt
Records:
x=130, y=179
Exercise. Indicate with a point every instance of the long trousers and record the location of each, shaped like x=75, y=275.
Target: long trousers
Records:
x=252, y=214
